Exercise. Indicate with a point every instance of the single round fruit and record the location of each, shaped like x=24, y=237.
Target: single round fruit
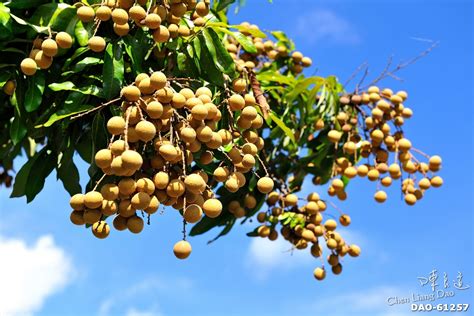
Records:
x=319, y=273
x=131, y=93
x=146, y=131
x=116, y=125
x=43, y=61
x=93, y=199
x=120, y=223
x=161, y=180
x=64, y=40
x=96, y=44
x=9, y=87
x=103, y=13
x=212, y=208
x=120, y=16
x=195, y=183
x=77, y=218
x=127, y=186
x=85, y=14
x=135, y=224
x=334, y=136
x=140, y=200
x=131, y=159
x=182, y=249
x=100, y=229
x=330, y=224
x=77, y=202
x=436, y=181
x=103, y=158
x=110, y=191
x=410, y=199
x=380, y=196
x=236, y=102
x=28, y=66
x=265, y=185
x=192, y=213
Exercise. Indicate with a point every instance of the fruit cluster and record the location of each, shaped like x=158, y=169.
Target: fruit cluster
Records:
x=158, y=148
x=373, y=138
x=41, y=56
x=267, y=52
x=163, y=20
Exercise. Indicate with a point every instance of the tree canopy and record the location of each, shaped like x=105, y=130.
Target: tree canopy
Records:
x=174, y=107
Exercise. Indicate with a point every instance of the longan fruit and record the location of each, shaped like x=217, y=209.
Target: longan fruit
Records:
x=135, y=224
x=239, y=85
x=354, y=250
x=43, y=61
x=146, y=131
x=103, y=158
x=265, y=185
x=93, y=199
x=152, y=206
x=96, y=44
x=137, y=13
x=330, y=224
x=77, y=202
x=168, y=152
x=28, y=66
x=110, y=191
x=263, y=231
x=77, y=218
x=145, y=86
x=121, y=29
x=127, y=186
x=119, y=16
x=126, y=209
x=249, y=113
x=380, y=196
x=158, y=80
x=334, y=136
x=140, y=200
x=195, y=183
x=204, y=134
x=319, y=274
x=103, y=13
x=236, y=102
x=192, y=213
x=337, y=184
x=100, y=229
x=199, y=112
x=306, y=62
x=202, y=9
x=131, y=159
x=154, y=109
x=345, y=220
x=153, y=21
x=373, y=175
x=9, y=87
x=131, y=93
x=404, y=144
x=250, y=201
x=386, y=181
x=85, y=14
x=92, y=215
x=120, y=223
x=64, y=40
x=175, y=188
x=182, y=249
x=161, y=34
x=116, y=125
x=436, y=181
x=212, y=208
x=117, y=147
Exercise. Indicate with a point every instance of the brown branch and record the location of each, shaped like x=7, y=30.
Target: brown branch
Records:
x=95, y=109
x=258, y=93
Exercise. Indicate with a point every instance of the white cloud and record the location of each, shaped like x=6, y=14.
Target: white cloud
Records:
x=324, y=25
x=264, y=255
x=149, y=289
x=31, y=274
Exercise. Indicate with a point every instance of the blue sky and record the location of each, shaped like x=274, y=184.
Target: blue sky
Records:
x=66, y=271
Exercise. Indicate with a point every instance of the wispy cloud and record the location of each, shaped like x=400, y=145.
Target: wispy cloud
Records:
x=324, y=25
x=263, y=256
x=371, y=301
x=149, y=289
x=31, y=274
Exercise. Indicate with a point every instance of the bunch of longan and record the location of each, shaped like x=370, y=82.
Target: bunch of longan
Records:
x=267, y=51
x=373, y=137
x=311, y=228
x=158, y=147
x=41, y=56
x=163, y=20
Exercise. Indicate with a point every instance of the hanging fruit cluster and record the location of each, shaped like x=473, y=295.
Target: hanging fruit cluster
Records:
x=157, y=148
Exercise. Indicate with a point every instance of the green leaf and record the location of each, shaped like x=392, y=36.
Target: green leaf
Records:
x=73, y=105
x=274, y=117
x=223, y=4
x=34, y=93
x=40, y=170
x=113, y=71
x=26, y=4
x=21, y=179
x=302, y=85
x=67, y=172
x=82, y=35
x=220, y=56
x=69, y=86
x=243, y=40
x=275, y=76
